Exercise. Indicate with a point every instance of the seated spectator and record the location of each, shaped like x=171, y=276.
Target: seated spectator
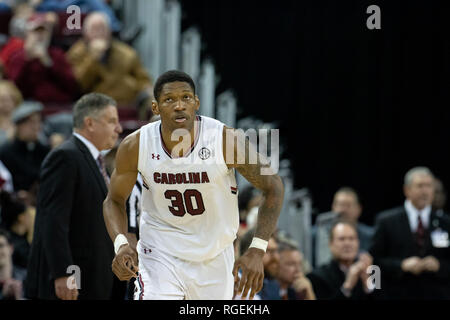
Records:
x=11, y=276
x=440, y=196
x=6, y=182
x=293, y=283
x=4, y=7
x=411, y=243
x=24, y=154
x=58, y=128
x=103, y=64
x=345, y=277
x=249, y=199
x=41, y=71
x=19, y=221
x=345, y=205
x=86, y=6
x=17, y=31
x=271, y=260
x=10, y=98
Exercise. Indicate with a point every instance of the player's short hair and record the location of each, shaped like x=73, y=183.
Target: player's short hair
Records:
x=171, y=76
x=342, y=221
x=90, y=105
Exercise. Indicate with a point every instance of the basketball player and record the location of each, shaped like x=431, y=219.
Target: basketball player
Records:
x=189, y=213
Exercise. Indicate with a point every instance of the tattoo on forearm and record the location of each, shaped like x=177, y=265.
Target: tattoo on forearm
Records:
x=272, y=188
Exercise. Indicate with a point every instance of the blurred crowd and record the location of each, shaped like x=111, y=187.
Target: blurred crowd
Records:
x=45, y=68
x=405, y=255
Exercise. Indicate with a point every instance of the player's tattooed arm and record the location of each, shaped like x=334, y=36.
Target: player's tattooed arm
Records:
x=239, y=153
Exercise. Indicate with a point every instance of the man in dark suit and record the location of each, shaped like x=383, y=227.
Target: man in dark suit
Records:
x=70, y=233
x=346, y=205
x=411, y=244
x=346, y=276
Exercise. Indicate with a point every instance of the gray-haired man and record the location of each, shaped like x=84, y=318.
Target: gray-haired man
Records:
x=411, y=244
x=70, y=233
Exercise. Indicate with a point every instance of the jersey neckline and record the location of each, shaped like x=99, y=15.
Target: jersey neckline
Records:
x=194, y=144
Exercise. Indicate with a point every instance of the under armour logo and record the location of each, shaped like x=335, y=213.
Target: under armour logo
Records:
x=155, y=156
x=147, y=250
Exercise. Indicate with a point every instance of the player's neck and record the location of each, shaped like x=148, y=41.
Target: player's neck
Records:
x=184, y=143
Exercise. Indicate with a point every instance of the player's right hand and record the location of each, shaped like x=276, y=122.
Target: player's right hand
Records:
x=125, y=263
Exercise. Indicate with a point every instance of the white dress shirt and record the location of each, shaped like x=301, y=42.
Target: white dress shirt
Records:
x=93, y=150
x=413, y=214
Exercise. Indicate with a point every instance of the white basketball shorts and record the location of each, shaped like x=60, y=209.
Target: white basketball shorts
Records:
x=164, y=277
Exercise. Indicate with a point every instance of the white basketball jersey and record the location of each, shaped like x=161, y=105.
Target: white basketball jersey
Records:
x=189, y=204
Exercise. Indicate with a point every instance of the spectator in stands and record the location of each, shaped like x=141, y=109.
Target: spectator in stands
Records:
x=345, y=277
x=17, y=31
x=11, y=276
x=86, y=6
x=293, y=283
x=18, y=220
x=41, y=71
x=58, y=128
x=345, y=205
x=10, y=98
x=249, y=200
x=6, y=182
x=5, y=7
x=271, y=261
x=103, y=64
x=440, y=196
x=411, y=243
x=24, y=154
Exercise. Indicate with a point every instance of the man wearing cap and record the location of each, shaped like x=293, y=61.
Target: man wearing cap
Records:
x=24, y=154
x=41, y=71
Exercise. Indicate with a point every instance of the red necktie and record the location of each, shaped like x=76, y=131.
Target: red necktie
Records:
x=420, y=233
x=101, y=164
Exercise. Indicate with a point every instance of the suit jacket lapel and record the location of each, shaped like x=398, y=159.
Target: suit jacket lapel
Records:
x=91, y=163
x=404, y=229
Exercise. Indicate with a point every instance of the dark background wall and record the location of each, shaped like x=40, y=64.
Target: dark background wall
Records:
x=355, y=107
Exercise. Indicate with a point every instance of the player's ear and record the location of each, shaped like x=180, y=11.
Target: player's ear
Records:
x=197, y=102
x=155, y=107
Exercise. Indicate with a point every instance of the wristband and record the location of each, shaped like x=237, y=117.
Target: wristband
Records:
x=259, y=244
x=120, y=240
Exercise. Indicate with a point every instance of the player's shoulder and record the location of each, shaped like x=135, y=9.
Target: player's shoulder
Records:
x=131, y=142
x=209, y=122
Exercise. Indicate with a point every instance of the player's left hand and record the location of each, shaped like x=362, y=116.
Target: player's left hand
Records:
x=252, y=273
